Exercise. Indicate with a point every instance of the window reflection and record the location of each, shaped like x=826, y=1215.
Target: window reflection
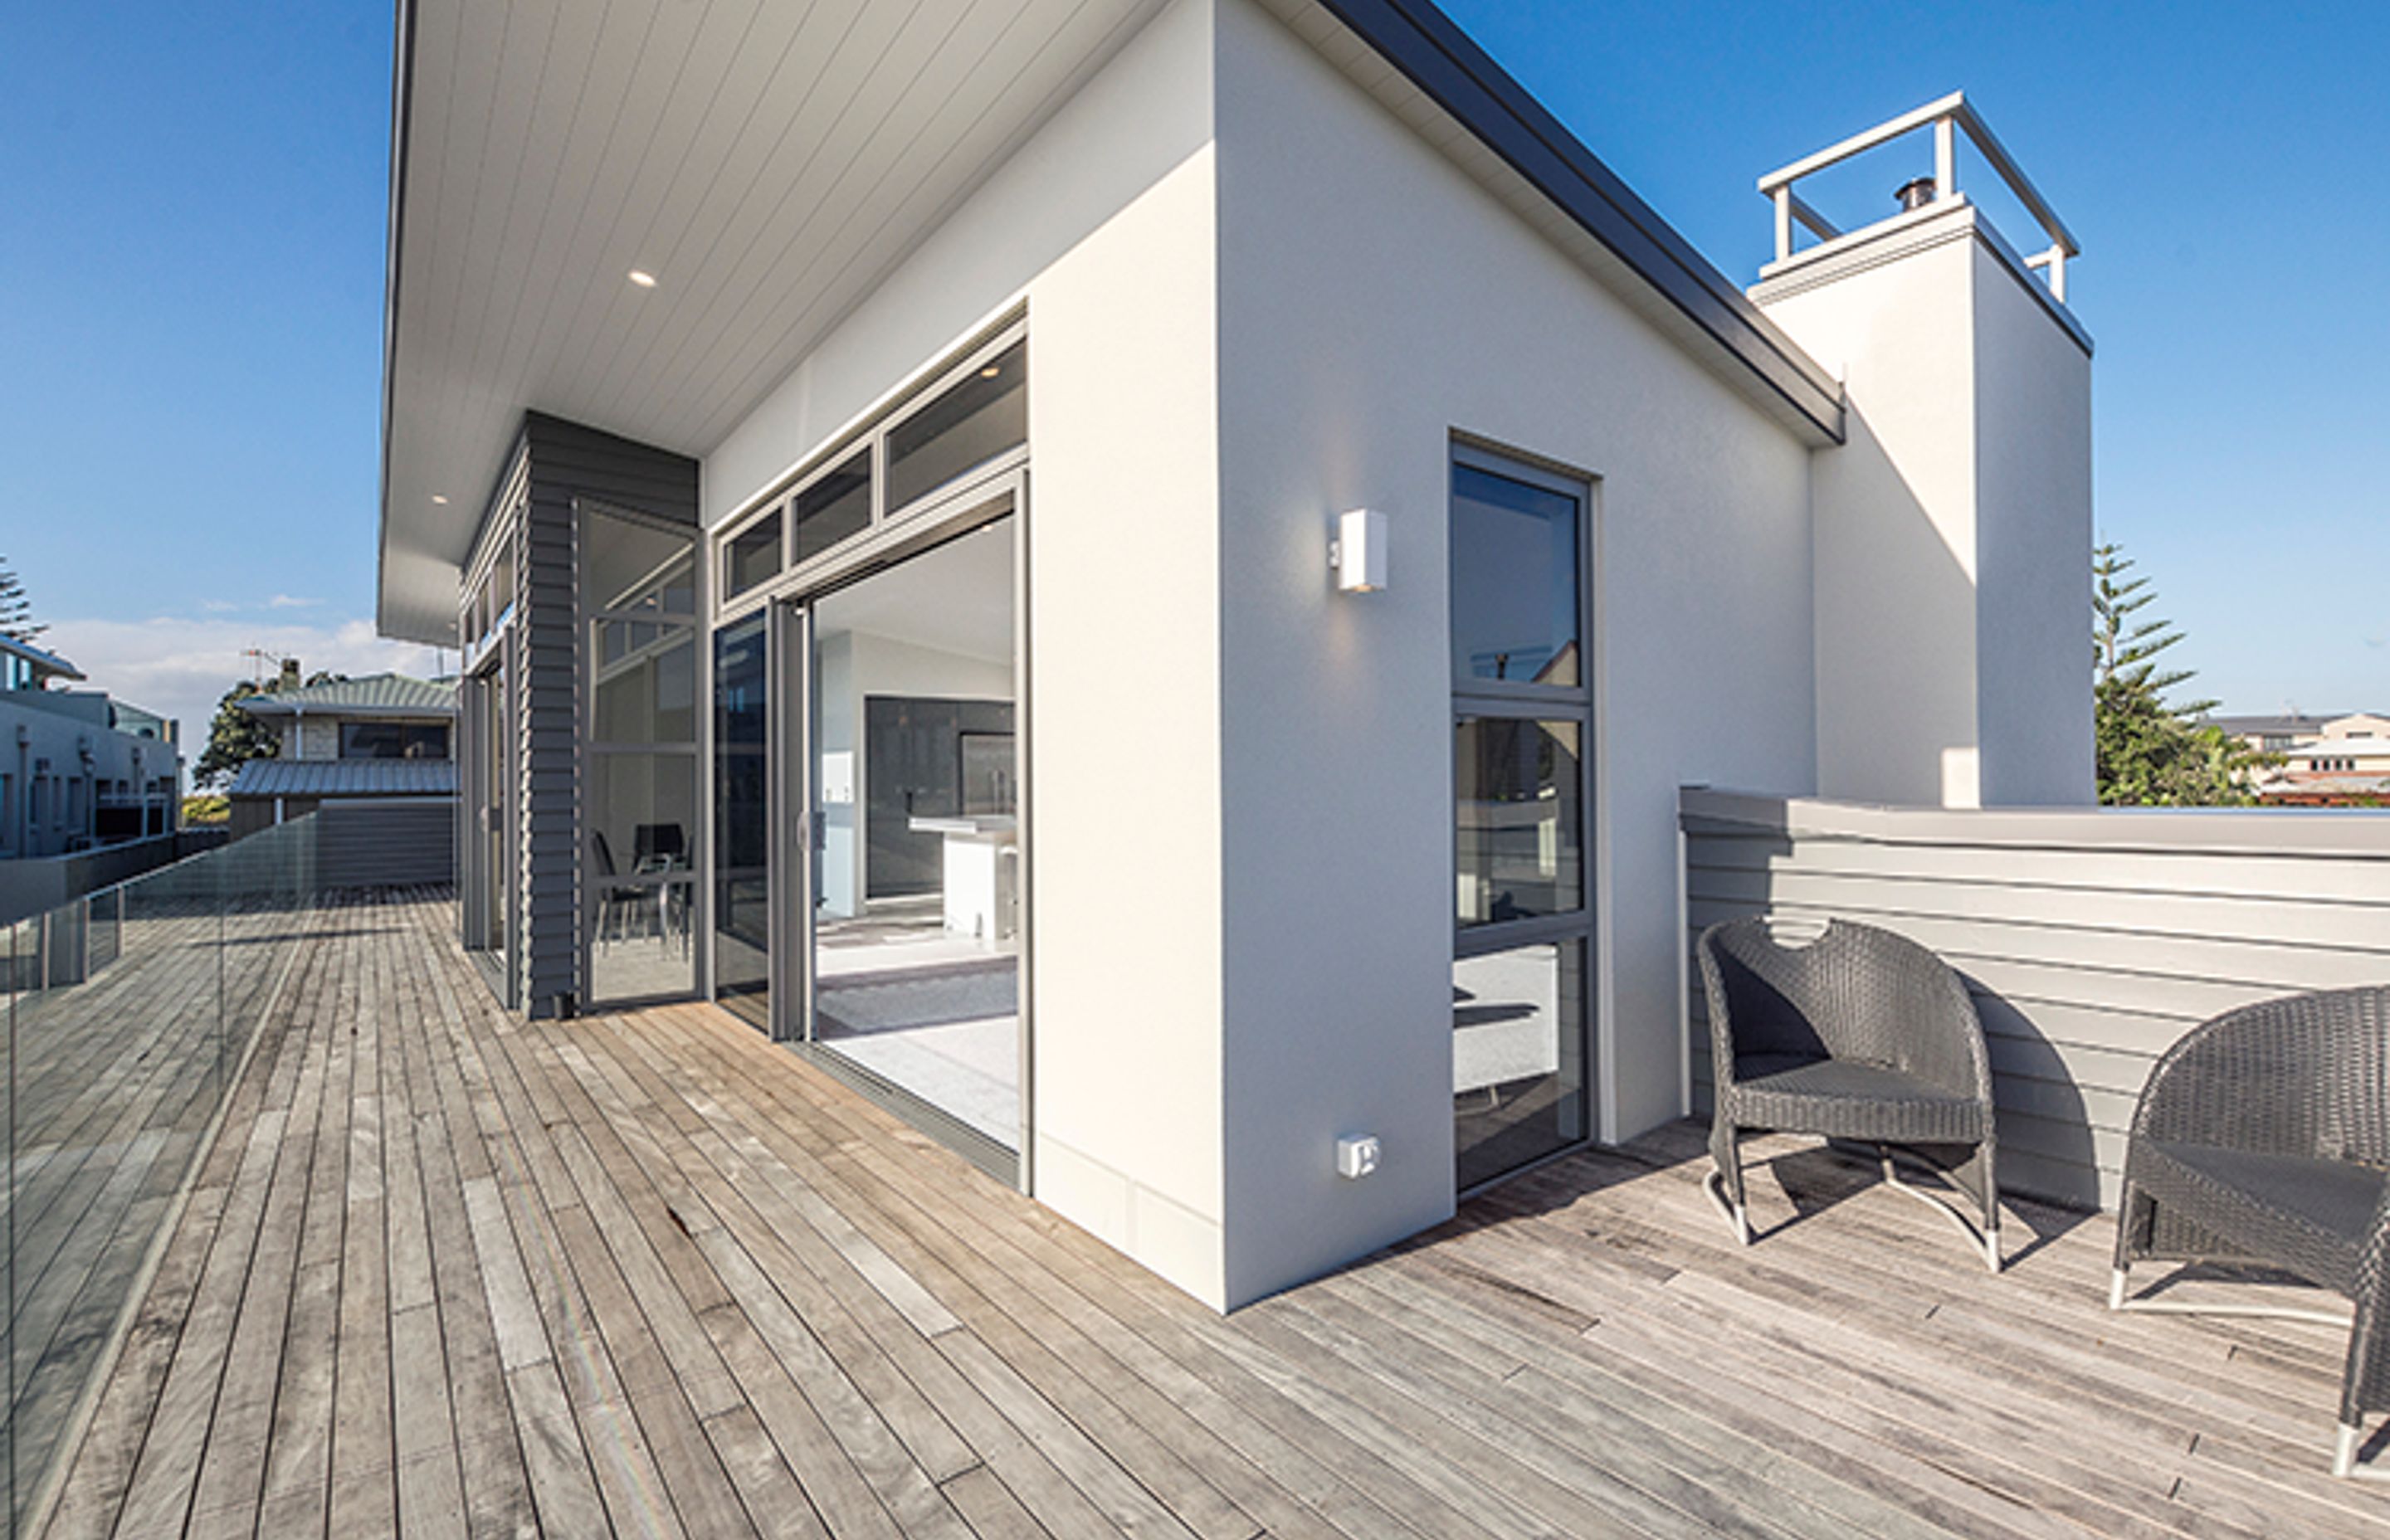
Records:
x=1515, y=581
x=836, y=508
x=741, y=828
x=976, y=419
x=1518, y=1060
x=630, y=566
x=1518, y=836
x=753, y=553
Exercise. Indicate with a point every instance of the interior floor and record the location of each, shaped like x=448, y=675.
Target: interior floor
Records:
x=937, y=1014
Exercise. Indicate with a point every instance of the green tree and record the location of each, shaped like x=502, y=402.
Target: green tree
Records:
x=16, y=611
x=235, y=737
x=2153, y=753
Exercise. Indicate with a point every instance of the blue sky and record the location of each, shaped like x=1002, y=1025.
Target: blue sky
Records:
x=193, y=199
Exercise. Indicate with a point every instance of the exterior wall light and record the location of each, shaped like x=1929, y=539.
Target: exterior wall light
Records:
x=1358, y=552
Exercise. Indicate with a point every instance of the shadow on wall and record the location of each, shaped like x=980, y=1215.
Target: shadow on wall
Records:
x=1895, y=628
x=2062, y=1141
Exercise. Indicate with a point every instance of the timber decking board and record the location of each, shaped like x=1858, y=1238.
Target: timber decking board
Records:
x=450, y=1272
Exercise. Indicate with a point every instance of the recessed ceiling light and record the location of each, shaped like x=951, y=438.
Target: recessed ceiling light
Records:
x=990, y=372
x=439, y=499
x=644, y=279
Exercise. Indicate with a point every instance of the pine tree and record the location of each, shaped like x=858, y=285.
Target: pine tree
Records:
x=2150, y=752
x=16, y=611
x=234, y=739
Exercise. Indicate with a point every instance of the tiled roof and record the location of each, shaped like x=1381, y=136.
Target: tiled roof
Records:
x=375, y=694
x=346, y=777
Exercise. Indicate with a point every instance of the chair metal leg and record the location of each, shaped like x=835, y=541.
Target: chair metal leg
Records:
x=2343, y=1454
x=1733, y=1214
x=1986, y=1239
x=2120, y=1298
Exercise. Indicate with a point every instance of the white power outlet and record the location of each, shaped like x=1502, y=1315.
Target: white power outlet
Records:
x=1356, y=1155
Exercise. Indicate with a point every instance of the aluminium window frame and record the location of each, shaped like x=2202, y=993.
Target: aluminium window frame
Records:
x=887, y=525
x=1520, y=700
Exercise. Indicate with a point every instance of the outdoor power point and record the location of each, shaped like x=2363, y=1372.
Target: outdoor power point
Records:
x=1356, y=1155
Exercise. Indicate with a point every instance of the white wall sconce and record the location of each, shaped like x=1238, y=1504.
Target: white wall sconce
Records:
x=1358, y=552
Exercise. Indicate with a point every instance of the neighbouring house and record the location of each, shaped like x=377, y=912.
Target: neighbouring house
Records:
x=2271, y=735
x=2326, y=761
x=1138, y=580
x=377, y=756
x=78, y=770
x=2348, y=761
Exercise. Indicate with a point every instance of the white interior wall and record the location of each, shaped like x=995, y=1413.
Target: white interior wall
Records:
x=1374, y=300
x=854, y=666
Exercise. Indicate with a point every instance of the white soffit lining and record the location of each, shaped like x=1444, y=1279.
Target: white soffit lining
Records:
x=767, y=160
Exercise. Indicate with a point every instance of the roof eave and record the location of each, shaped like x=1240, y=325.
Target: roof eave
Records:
x=1428, y=49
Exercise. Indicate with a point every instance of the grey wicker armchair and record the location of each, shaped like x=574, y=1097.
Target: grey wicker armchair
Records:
x=2263, y=1139
x=1861, y=1035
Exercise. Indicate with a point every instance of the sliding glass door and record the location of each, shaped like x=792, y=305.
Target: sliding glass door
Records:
x=915, y=807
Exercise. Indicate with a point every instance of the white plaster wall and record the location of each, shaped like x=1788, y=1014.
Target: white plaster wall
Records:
x=1103, y=225
x=1896, y=555
x=1954, y=529
x=1372, y=300
x=1144, y=113
x=2033, y=433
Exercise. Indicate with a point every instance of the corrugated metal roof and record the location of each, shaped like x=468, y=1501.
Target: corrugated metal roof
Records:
x=346, y=777
x=375, y=694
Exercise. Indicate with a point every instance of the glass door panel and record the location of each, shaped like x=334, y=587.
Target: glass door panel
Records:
x=913, y=829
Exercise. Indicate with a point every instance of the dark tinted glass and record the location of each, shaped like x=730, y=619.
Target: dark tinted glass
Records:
x=742, y=909
x=1515, y=581
x=1518, y=836
x=1518, y=1057
x=835, y=508
x=754, y=554
x=393, y=740
x=976, y=419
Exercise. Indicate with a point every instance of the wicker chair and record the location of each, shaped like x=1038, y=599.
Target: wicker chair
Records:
x=1861, y=1035
x=2263, y=1139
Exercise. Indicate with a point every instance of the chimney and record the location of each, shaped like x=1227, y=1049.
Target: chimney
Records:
x=1950, y=668
x=289, y=680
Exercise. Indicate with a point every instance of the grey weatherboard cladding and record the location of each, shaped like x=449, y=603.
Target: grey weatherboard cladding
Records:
x=561, y=463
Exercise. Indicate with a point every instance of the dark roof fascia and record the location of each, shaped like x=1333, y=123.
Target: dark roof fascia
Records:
x=1432, y=51
x=401, y=91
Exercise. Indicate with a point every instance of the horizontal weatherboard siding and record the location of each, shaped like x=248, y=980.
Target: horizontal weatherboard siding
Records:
x=2092, y=941
x=400, y=844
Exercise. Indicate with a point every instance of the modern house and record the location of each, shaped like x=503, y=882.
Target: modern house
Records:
x=1076, y=563
x=78, y=770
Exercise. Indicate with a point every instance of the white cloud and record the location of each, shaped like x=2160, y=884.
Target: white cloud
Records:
x=284, y=601
x=180, y=666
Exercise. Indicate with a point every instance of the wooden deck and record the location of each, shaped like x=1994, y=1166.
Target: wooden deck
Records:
x=447, y=1273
